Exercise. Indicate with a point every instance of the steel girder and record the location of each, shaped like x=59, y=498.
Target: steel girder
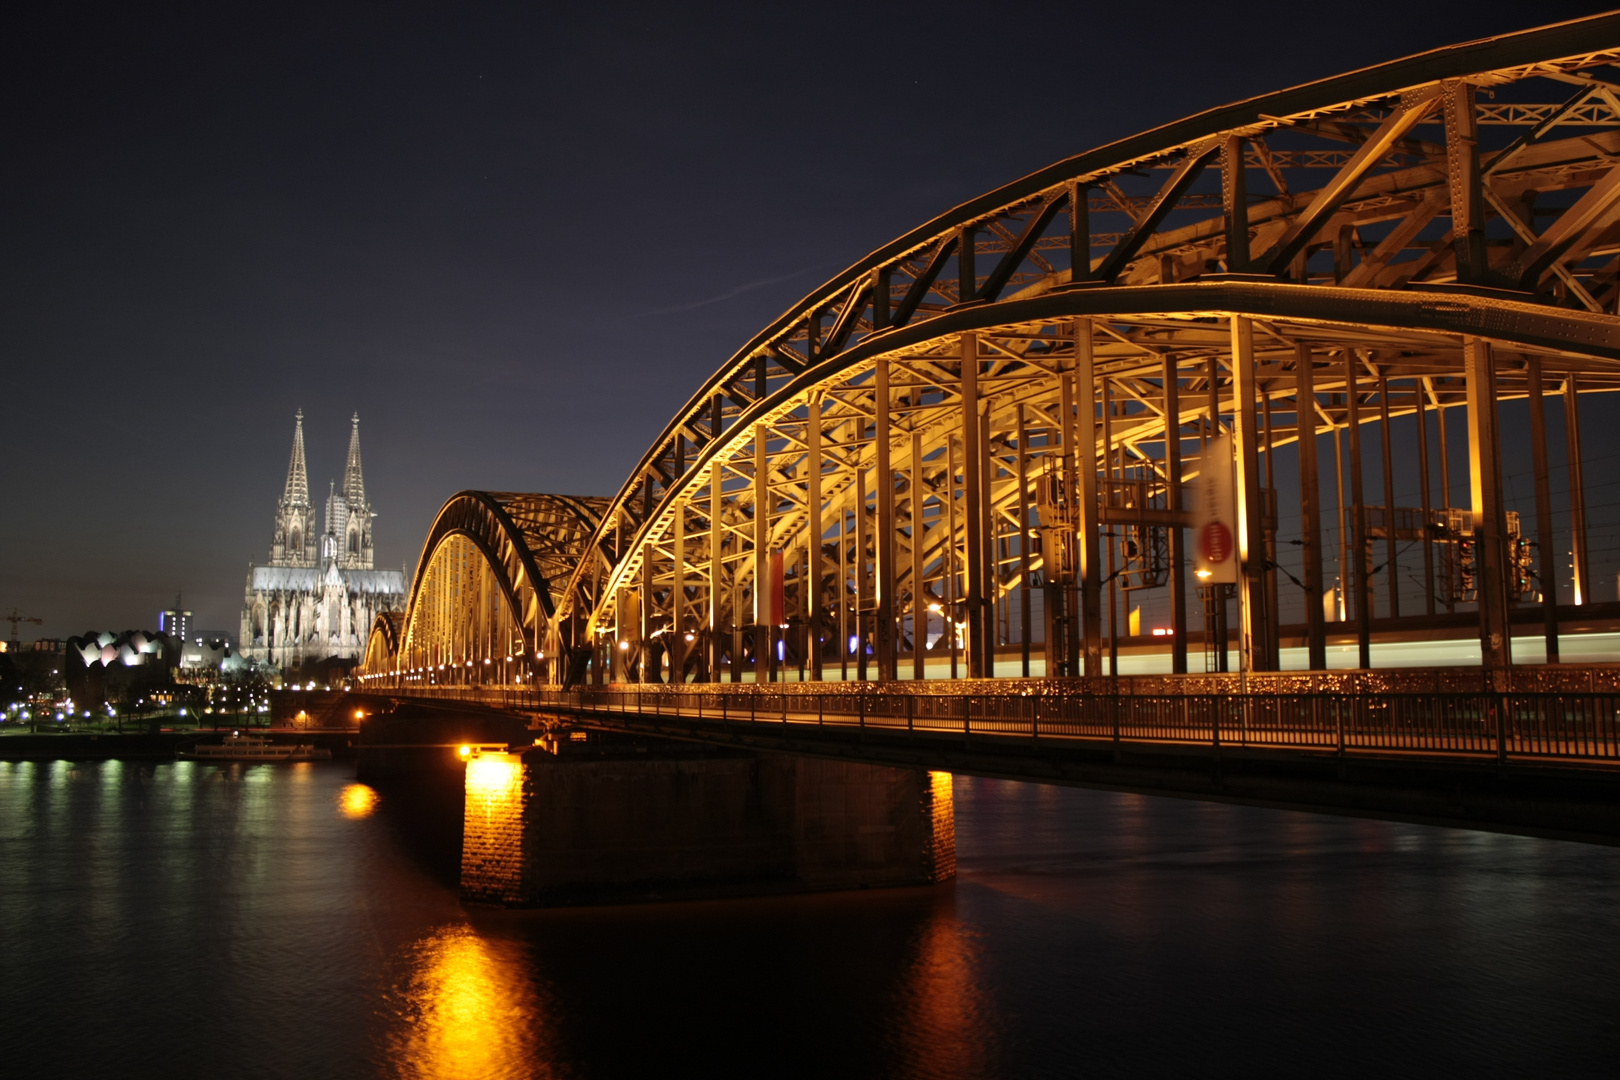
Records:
x=525, y=541
x=1413, y=206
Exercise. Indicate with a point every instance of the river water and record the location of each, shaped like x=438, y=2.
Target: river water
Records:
x=190, y=919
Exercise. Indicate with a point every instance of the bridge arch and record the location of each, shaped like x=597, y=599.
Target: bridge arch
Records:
x=996, y=420
x=481, y=598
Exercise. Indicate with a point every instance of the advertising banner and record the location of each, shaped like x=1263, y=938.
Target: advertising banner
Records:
x=1215, y=554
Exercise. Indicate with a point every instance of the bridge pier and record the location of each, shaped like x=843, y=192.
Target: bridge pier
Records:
x=620, y=819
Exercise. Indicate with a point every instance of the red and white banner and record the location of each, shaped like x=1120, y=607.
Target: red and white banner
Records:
x=1215, y=553
x=770, y=608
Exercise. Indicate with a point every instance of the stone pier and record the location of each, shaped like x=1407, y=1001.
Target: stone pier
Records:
x=602, y=821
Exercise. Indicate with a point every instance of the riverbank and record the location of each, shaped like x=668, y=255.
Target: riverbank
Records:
x=148, y=746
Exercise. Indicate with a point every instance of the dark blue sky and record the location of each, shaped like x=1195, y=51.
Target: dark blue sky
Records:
x=514, y=239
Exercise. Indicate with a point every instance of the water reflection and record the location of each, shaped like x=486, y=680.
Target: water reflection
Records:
x=945, y=1022
x=465, y=1008
x=357, y=801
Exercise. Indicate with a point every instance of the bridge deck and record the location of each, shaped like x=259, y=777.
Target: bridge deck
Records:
x=1479, y=725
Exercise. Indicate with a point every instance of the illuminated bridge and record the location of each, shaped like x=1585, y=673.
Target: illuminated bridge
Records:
x=1189, y=449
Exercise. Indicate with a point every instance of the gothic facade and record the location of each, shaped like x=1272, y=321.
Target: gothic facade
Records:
x=320, y=592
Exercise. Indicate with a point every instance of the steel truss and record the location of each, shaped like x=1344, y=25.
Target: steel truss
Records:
x=1008, y=400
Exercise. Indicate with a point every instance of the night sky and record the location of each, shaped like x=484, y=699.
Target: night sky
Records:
x=514, y=240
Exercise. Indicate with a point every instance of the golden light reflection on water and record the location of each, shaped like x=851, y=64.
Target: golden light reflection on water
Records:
x=466, y=1009
x=357, y=801
x=947, y=1027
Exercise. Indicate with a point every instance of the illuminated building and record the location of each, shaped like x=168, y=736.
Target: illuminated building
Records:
x=319, y=595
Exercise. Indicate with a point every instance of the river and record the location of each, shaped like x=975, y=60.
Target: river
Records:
x=189, y=919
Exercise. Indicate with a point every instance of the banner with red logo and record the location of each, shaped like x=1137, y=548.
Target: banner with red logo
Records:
x=1214, y=540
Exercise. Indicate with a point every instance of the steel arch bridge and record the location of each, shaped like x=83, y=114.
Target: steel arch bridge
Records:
x=956, y=456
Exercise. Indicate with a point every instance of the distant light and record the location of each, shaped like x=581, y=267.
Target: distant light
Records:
x=781, y=650
x=854, y=643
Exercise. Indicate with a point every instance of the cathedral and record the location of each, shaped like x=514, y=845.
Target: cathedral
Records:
x=319, y=594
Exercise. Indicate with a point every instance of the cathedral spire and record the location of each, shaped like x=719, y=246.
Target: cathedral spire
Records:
x=354, y=485
x=297, y=493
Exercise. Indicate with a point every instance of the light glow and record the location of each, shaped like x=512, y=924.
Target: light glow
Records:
x=357, y=801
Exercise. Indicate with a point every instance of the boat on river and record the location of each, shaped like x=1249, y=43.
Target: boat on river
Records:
x=238, y=747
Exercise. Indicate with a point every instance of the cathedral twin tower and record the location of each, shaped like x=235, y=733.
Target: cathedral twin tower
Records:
x=320, y=593
x=347, y=539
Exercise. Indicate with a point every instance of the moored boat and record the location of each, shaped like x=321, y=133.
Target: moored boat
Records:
x=238, y=747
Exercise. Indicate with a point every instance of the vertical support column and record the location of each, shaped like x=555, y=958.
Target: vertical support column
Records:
x=1172, y=499
x=1358, y=511
x=842, y=592
x=716, y=565
x=649, y=673
x=762, y=558
x=1422, y=412
x=1215, y=626
x=1235, y=200
x=1445, y=490
x=884, y=635
x=677, y=595
x=1079, y=232
x=1343, y=606
x=1273, y=619
x=863, y=581
x=1022, y=480
x=1391, y=570
x=919, y=553
x=990, y=619
x=1485, y=487
x=1462, y=168
x=1310, y=505
x=1577, y=490
x=1080, y=464
x=1110, y=544
x=973, y=530
x=948, y=551
x=1255, y=634
x=1546, y=561
x=815, y=604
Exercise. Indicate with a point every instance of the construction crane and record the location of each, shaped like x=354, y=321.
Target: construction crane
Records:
x=15, y=618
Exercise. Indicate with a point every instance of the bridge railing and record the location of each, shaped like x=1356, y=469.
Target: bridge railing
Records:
x=1520, y=725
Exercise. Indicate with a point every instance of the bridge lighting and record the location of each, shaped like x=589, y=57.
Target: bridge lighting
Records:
x=540, y=655
x=486, y=659
x=492, y=777
x=1203, y=573
x=691, y=637
x=465, y=751
x=624, y=646
x=935, y=608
